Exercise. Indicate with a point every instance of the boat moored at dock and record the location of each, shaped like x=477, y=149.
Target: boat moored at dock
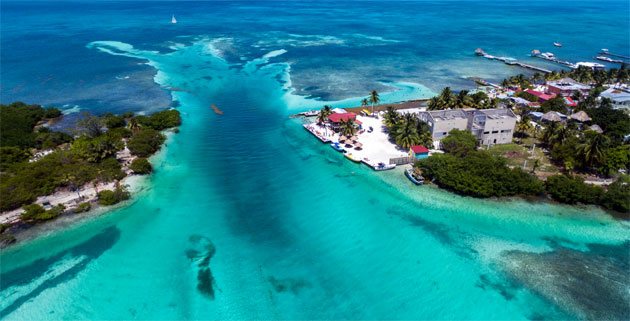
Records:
x=336, y=146
x=352, y=157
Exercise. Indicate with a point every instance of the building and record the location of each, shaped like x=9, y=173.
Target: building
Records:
x=620, y=97
x=542, y=97
x=492, y=126
x=567, y=87
x=419, y=151
x=336, y=119
x=441, y=122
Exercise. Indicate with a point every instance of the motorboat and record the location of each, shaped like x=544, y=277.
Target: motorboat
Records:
x=557, y=44
x=384, y=167
x=336, y=146
x=173, y=20
x=413, y=177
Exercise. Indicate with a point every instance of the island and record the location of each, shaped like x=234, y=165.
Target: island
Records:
x=47, y=173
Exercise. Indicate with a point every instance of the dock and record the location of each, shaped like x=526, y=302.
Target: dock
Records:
x=537, y=54
x=607, y=53
x=510, y=61
x=314, y=129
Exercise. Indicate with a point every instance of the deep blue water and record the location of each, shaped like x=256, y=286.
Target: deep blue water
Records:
x=248, y=217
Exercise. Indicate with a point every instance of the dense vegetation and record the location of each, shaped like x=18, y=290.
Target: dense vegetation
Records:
x=88, y=157
x=141, y=166
x=467, y=171
x=108, y=197
x=476, y=173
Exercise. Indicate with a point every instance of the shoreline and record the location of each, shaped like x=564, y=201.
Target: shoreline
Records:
x=136, y=185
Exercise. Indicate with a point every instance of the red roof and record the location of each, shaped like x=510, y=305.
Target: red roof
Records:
x=338, y=117
x=540, y=95
x=419, y=149
x=570, y=102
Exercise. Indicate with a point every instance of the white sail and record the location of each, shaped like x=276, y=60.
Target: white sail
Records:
x=173, y=20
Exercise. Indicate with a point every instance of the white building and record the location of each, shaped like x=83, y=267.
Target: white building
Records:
x=620, y=97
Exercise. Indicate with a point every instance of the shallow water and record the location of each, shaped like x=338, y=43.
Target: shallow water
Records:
x=249, y=217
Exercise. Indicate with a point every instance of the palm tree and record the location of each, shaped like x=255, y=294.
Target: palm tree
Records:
x=536, y=165
x=434, y=103
x=561, y=134
x=374, y=99
x=364, y=102
x=406, y=136
x=523, y=127
x=390, y=117
x=348, y=127
x=592, y=151
x=448, y=97
x=133, y=124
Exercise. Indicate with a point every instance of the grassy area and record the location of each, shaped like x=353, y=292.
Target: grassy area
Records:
x=518, y=155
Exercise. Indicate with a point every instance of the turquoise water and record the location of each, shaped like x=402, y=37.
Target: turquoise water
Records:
x=249, y=217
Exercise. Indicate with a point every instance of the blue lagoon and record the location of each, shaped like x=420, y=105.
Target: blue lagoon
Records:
x=248, y=217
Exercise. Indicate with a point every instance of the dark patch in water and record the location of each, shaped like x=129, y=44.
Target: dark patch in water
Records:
x=289, y=284
x=202, y=252
x=506, y=290
x=85, y=252
x=586, y=285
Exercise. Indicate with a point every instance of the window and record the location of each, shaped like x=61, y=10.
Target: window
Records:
x=495, y=131
x=486, y=133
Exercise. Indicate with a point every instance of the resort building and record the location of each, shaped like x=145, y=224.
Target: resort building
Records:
x=335, y=120
x=567, y=87
x=492, y=126
x=620, y=97
x=441, y=122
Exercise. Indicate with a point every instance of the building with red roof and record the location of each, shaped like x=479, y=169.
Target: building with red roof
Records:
x=419, y=151
x=336, y=119
x=542, y=97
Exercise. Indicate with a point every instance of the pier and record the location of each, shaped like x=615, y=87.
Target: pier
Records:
x=510, y=61
x=607, y=53
x=550, y=57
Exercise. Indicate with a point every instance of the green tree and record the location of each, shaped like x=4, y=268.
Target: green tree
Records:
x=141, y=166
x=593, y=149
x=459, y=142
x=374, y=99
x=348, y=128
x=145, y=142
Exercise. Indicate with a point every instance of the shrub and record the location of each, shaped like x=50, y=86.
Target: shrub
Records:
x=141, y=166
x=572, y=190
x=145, y=142
x=83, y=207
x=478, y=174
x=108, y=197
x=112, y=121
x=35, y=212
x=618, y=195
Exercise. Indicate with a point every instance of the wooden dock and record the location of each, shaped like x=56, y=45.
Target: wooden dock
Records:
x=510, y=61
x=315, y=133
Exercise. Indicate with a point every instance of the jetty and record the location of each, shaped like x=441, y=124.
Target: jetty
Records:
x=510, y=61
x=318, y=132
x=608, y=53
x=551, y=57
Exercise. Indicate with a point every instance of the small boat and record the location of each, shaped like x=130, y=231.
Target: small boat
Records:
x=411, y=175
x=591, y=65
x=337, y=147
x=548, y=55
x=309, y=113
x=173, y=20
x=216, y=109
x=384, y=167
x=352, y=158
x=557, y=44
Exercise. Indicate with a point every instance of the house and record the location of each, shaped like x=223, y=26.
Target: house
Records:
x=492, y=126
x=419, y=151
x=567, y=87
x=335, y=120
x=620, y=97
x=441, y=122
x=542, y=97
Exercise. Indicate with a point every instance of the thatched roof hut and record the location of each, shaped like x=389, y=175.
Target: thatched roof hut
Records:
x=551, y=116
x=596, y=128
x=580, y=116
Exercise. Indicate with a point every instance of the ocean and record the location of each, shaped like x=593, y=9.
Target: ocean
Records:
x=247, y=216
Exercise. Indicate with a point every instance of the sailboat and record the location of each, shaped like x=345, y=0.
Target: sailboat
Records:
x=173, y=20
